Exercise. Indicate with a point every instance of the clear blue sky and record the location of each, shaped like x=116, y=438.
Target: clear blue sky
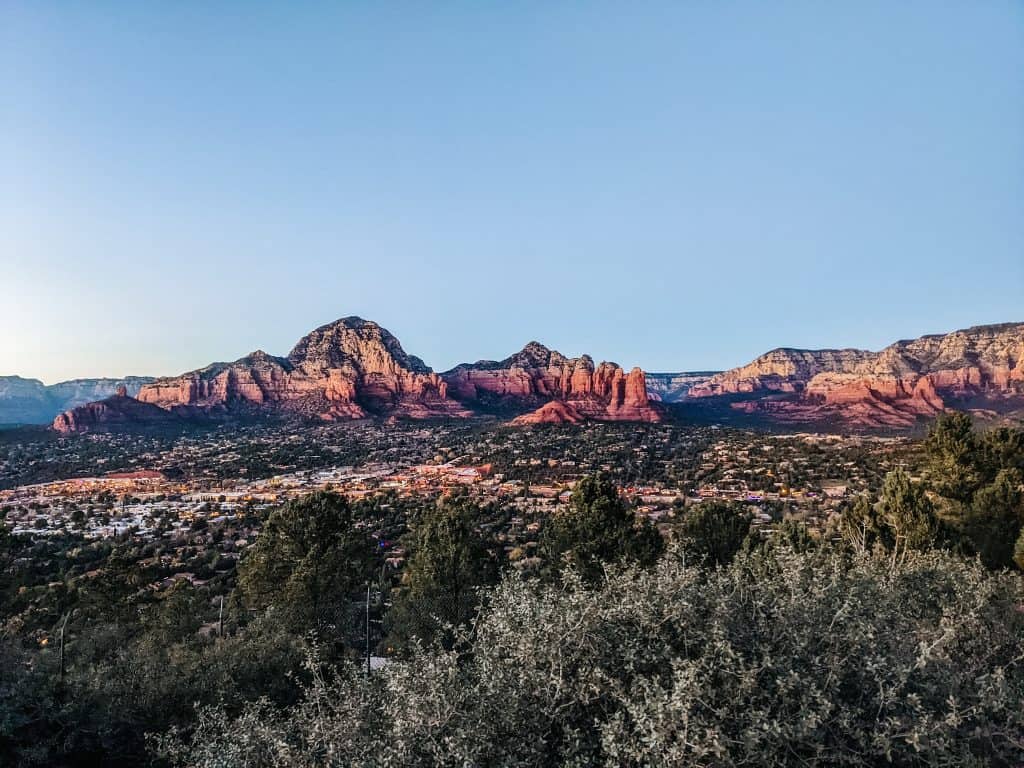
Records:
x=678, y=185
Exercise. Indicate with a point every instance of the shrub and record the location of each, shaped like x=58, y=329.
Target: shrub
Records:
x=809, y=659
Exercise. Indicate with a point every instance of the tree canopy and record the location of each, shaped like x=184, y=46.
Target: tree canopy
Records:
x=979, y=480
x=451, y=560
x=597, y=528
x=308, y=563
x=714, y=531
x=808, y=659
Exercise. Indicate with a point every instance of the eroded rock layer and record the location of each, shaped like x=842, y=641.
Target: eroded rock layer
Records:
x=348, y=369
x=908, y=380
x=535, y=377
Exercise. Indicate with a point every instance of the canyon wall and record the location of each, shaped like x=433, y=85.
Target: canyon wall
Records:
x=979, y=367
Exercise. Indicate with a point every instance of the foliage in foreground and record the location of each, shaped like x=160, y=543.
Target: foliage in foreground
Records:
x=979, y=478
x=780, y=659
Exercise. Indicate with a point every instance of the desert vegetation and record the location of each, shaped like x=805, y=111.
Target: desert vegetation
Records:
x=890, y=635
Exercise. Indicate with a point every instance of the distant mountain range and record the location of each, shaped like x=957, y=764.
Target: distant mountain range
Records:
x=355, y=369
x=29, y=401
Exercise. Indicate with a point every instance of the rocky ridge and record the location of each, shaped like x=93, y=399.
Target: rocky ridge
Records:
x=349, y=369
x=673, y=387
x=118, y=410
x=354, y=368
x=556, y=388
x=981, y=366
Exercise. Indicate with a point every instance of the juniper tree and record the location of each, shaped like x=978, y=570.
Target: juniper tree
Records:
x=308, y=563
x=451, y=560
x=714, y=531
x=597, y=528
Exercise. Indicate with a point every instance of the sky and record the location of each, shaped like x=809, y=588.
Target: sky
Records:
x=677, y=185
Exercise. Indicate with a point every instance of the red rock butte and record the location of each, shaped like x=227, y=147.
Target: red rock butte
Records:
x=537, y=377
x=354, y=369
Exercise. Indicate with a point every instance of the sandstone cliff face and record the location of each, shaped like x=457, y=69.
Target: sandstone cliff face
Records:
x=536, y=376
x=353, y=369
x=781, y=370
x=348, y=369
x=893, y=388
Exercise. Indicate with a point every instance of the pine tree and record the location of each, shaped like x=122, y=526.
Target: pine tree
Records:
x=309, y=563
x=996, y=517
x=952, y=457
x=908, y=513
x=451, y=560
x=714, y=531
x=597, y=528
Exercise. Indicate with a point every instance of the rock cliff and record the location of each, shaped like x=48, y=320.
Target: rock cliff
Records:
x=536, y=376
x=29, y=401
x=981, y=366
x=673, y=387
x=348, y=369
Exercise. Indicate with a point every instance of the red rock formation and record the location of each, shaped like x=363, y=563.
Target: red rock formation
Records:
x=353, y=369
x=892, y=388
x=115, y=412
x=552, y=412
x=537, y=376
x=781, y=370
x=348, y=369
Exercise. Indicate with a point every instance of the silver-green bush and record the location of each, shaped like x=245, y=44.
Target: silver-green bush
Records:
x=780, y=659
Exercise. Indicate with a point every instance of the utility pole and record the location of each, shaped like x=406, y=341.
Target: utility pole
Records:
x=367, y=628
x=220, y=618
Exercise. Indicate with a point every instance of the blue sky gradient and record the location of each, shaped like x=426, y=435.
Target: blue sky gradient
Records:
x=677, y=185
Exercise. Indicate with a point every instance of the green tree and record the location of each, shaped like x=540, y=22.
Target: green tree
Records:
x=714, y=531
x=951, y=450
x=794, y=535
x=177, y=615
x=1018, y=551
x=598, y=527
x=1001, y=448
x=860, y=525
x=451, y=561
x=818, y=660
x=309, y=562
x=908, y=514
x=995, y=519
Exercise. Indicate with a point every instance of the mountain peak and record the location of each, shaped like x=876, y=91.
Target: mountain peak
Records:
x=532, y=355
x=353, y=341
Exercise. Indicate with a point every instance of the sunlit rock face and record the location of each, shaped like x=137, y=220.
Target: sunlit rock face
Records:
x=536, y=377
x=348, y=369
x=981, y=367
x=354, y=369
